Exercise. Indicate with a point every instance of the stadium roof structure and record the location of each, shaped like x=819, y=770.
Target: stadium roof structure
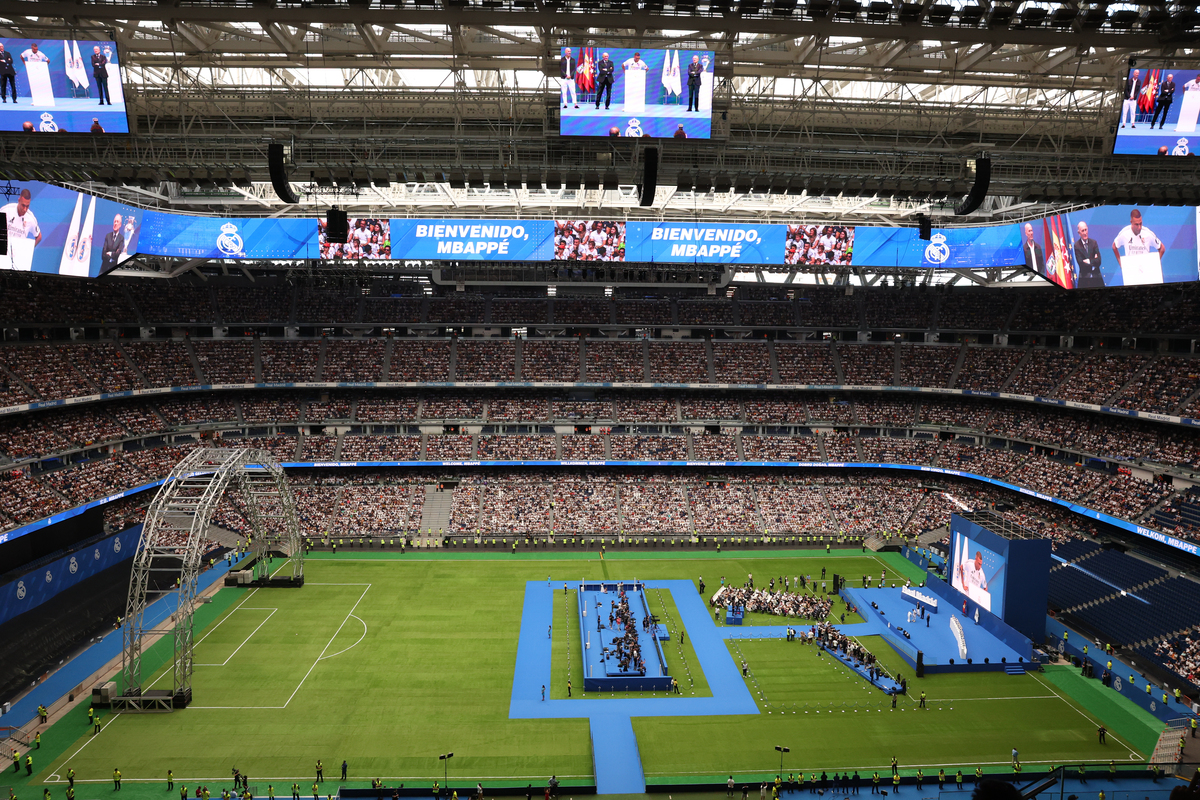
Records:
x=837, y=111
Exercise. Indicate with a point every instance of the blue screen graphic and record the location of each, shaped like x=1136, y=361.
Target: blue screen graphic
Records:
x=649, y=94
x=473, y=239
x=64, y=232
x=59, y=86
x=1159, y=110
x=978, y=572
x=704, y=243
x=993, y=246
x=176, y=235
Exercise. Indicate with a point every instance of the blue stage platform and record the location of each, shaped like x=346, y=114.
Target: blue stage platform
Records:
x=597, y=602
x=933, y=636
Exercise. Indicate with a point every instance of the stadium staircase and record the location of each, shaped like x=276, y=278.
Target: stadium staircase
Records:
x=837, y=364
x=435, y=515
x=958, y=365
x=191, y=351
x=1017, y=369
x=1014, y=669
x=1167, y=751
x=132, y=366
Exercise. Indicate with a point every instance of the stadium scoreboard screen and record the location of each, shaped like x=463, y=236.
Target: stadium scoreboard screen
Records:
x=1009, y=578
x=622, y=92
x=61, y=85
x=1159, y=108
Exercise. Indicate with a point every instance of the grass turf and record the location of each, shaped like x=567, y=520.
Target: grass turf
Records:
x=390, y=660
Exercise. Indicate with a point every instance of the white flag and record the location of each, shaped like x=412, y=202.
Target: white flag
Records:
x=666, y=72
x=65, y=263
x=676, y=85
x=80, y=69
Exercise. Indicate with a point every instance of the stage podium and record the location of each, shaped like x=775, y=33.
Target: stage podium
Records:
x=706, y=91
x=635, y=91
x=1189, y=111
x=40, y=88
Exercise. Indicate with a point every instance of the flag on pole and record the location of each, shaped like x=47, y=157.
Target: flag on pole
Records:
x=666, y=73
x=676, y=85
x=80, y=70
x=1149, y=91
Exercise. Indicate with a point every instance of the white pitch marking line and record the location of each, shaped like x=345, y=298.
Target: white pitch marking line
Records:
x=1080, y=713
x=335, y=633
x=351, y=647
x=243, y=644
x=85, y=744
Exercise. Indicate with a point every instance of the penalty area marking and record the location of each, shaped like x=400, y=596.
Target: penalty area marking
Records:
x=351, y=647
x=103, y=728
x=243, y=644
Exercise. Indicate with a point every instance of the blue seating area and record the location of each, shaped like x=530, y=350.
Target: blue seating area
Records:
x=1071, y=587
x=1183, y=514
x=1169, y=606
x=1074, y=549
x=1122, y=570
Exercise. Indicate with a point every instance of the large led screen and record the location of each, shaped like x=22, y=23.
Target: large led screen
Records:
x=614, y=91
x=63, y=232
x=1159, y=109
x=57, y=85
x=978, y=572
x=180, y=236
x=1113, y=246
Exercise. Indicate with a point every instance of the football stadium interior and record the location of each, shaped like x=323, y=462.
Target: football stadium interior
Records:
x=585, y=444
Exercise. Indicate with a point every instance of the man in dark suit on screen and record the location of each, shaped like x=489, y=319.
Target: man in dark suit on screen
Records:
x=1162, y=103
x=8, y=74
x=114, y=245
x=100, y=73
x=604, y=79
x=1087, y=257
x=1034, y=259
x=695, y=70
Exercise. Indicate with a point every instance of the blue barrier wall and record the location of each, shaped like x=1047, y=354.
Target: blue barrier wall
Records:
x=34, y=588
x=987, y=620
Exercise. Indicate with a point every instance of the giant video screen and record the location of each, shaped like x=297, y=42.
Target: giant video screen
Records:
x=1159, y=110
x=1114, y=246
x=183, y=236
x=622, y=92
x=978, y=572
x=61, y=85
x=64, y=232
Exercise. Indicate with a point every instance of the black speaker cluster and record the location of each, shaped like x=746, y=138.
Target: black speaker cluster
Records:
x=337, y=226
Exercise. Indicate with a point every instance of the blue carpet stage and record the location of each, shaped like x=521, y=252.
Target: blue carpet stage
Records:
x=936, y=640
x=600, y=625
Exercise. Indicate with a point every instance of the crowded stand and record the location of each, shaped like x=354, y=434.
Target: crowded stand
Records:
x=392, y=310
x=678, y=362
x=1181, y=654
x=582, y=409
x=1058, y=479
x=774, y=410
x=780, y=448
x=485, y=360
x=230, y=361
x=723, y=508
x=794, y=509
x=1050, y=311
x=125, y=513
x=614, y=362
x=318, y=448
x=583, y=448
x=871, y=505
x=550, y=360
x=139, y=419
x=986, y=368
x=518, y=408
x=418, y=360
x=1128, y=497
x=381, y=448
x=1100, y=377
x=464, y=507
x=282, y=447
x=353, y=361
x=163, y=363
x=325, y=306
x=714, y=409
x=25, y=437
x=645, y=312
x=27, y=298
x=451, y=406
x=96, y=478
x=746, y=362
x=927, y=365
x=705, y=312
x=653, y=506
x=175, y=303
x=1166, y=382
x=376, y=510
x=648, y=448
x=45, y=370
x=517, y=448
x=897, y=413
x=508, y=311
x=646, y=408
x=975, y=310
x=24, y=499
x=448, y=447
x=254, y=304
x=184, y=411
x=585, y=506
x=714, y=447
x=867, y=364
x=841, y=446
x=593, y=311
x=896, y=450
x=805, y=364
x=1180, y=516
x=83, y=427
x=259, y=408
x=289, y=362
x=828, y=308
x=899, y=310
x=777, y=603
x=1042, y=371
x=455, y=309
x=832, y=410
x=776, y=315
x=385, y=408
x=515, y=506
x=333, y=408
x=105, y=366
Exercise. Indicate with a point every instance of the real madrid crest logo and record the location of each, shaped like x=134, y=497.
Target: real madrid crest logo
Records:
x=634, y=129
x=1181, y=147
x=20, y=590
x=229, y=242
x=96, y=554
x=937, y=250
x=48, y=124
x=49, y=577
x=1117, y=684
x=116, y=545
x=73, y=566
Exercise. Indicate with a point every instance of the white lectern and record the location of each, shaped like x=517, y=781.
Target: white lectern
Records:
x=20, y=255
x=706, y=91
x=635, y=91
x=1189, y=111
x=40, y=88
x=1141, y=269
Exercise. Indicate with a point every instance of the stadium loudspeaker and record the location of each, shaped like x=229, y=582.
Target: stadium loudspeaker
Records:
x=926, y=227
x=337, y=226
x=649, y=176
x=983, y=179
x=920, y=664
x=279, y=178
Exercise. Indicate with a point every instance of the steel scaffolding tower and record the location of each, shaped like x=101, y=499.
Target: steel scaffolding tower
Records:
x=170, y=546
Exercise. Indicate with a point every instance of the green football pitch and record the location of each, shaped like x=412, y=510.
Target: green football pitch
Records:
x=388, y=661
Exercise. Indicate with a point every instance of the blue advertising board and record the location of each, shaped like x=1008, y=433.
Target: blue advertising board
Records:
x=166, y=234
x=704, y=243
x=473, y=239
